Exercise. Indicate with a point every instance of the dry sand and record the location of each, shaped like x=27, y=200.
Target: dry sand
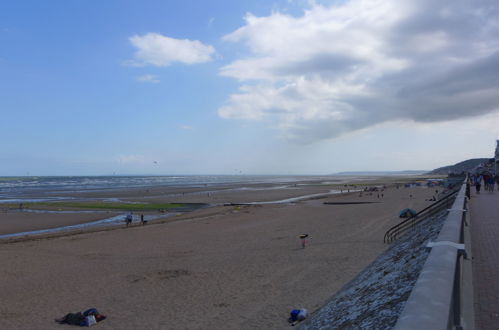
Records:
x=234, y=267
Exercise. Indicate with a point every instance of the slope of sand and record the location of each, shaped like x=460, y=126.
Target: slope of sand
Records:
x=224, y=268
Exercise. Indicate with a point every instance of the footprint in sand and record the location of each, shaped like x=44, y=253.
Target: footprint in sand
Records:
x=158, y=275
x=221, y=305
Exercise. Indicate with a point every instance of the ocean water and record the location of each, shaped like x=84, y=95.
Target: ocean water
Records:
x=40, y=189
x=16, y=189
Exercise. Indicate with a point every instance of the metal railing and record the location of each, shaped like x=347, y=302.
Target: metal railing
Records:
x=394, y=232
x=441, y=298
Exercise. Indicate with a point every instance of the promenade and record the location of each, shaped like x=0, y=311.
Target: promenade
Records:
x=484, y=215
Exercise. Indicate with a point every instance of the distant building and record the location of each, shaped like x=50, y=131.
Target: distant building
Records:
x=496, y=157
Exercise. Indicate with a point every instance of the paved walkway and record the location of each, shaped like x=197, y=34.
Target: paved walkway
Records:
x=485, y=248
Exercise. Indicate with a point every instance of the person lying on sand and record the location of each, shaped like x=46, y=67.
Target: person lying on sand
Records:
x=85, y=319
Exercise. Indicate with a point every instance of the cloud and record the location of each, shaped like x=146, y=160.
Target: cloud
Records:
x=158, y=50
x=148, y=78
x=336, y=69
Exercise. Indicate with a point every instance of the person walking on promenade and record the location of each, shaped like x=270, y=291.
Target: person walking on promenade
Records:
x=486, y=182
x=478, y=183
x=490, y=183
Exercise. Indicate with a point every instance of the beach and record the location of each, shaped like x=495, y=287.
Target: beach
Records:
x=228, y=266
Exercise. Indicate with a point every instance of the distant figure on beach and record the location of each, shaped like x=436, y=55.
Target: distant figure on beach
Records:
x=128, y=219
x=303, y=238
x=142, y=221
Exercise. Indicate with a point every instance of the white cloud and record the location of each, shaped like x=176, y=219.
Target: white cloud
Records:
x=158, y=50
x=186, y=127
x=346, y=67
x=148, y=78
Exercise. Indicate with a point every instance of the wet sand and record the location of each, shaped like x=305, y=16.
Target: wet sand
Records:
x=16, y=221
x=227, y=267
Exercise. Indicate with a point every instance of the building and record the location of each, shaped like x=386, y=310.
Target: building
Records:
x=496, y=158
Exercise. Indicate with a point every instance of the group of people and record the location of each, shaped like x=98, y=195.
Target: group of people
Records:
x=488, y=181
x=129, y=219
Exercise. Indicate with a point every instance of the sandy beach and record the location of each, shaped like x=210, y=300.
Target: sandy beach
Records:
x=223, y=267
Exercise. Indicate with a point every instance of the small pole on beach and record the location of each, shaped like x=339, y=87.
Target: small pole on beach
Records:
x=303, y=238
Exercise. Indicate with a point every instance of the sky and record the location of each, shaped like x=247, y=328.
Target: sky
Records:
x=91, y=87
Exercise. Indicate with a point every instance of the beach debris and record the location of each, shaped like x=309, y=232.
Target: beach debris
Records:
x=297, y=315
x=83, y=319
x=407, y=213
x=303, y=239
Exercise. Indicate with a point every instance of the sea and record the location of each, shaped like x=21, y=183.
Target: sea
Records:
x=19, y=189
x=55, y=188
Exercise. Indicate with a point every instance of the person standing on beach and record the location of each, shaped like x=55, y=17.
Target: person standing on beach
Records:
x=128, y=218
